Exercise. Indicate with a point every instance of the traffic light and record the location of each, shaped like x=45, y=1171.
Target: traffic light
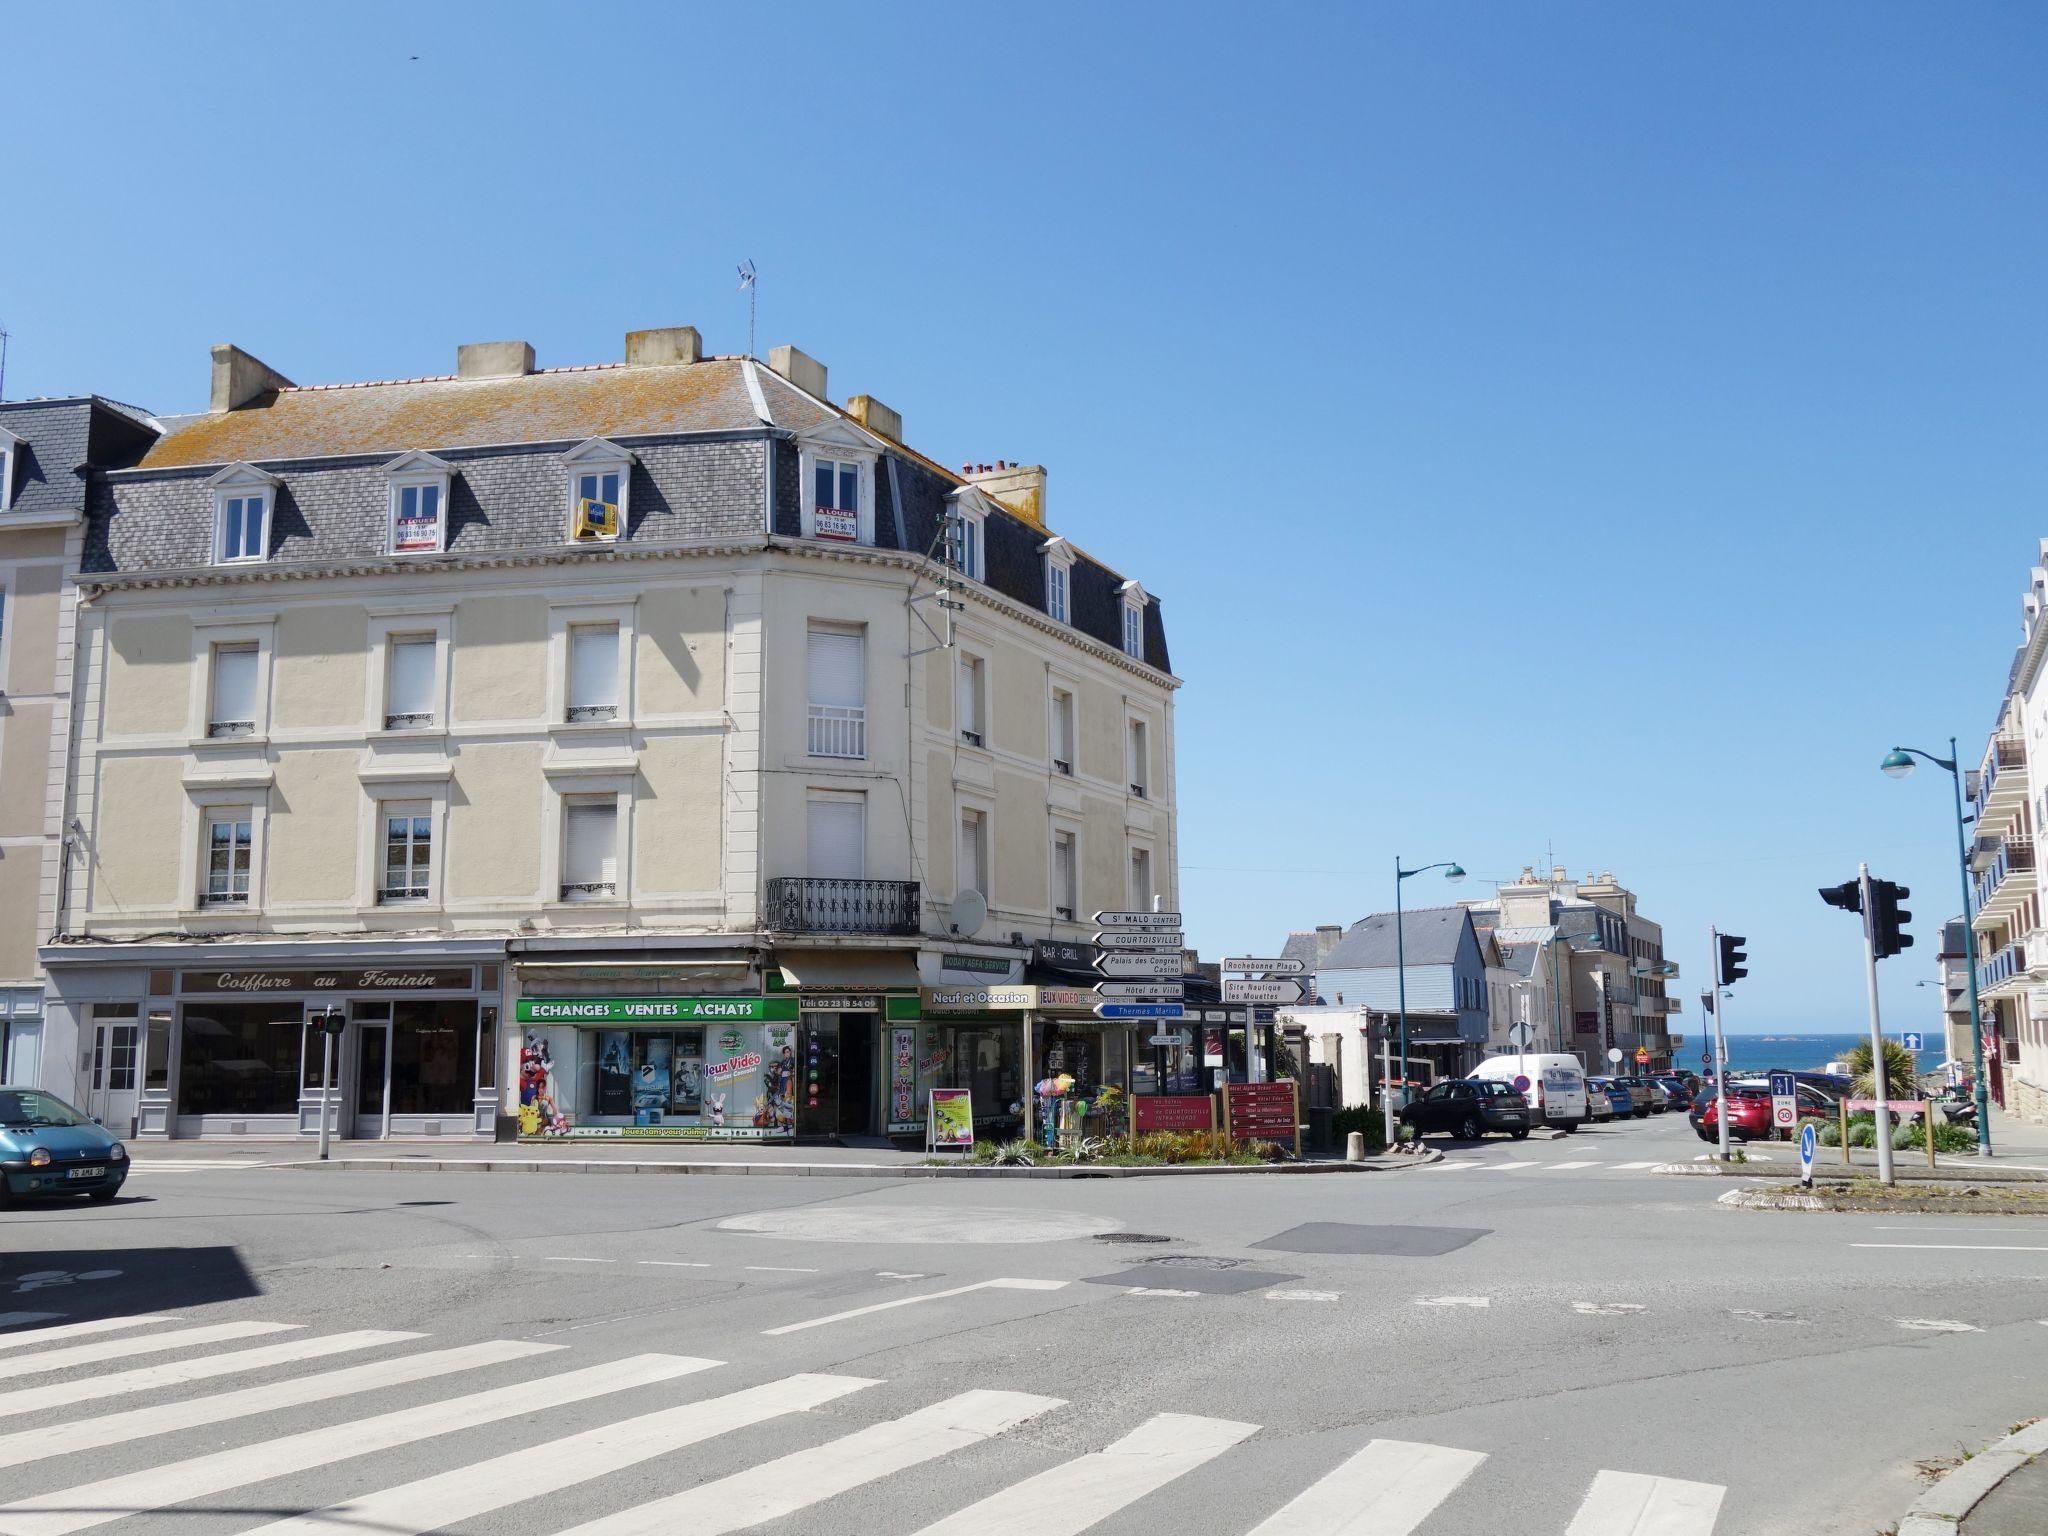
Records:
x=1848, y=895
x=1888, y=919
x=1734, y=958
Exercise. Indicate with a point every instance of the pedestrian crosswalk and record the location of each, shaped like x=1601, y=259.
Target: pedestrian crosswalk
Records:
x=414, y=1469
x=1535, y=1165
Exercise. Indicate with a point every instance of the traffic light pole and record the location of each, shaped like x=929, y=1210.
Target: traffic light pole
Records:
x=1720, y=1041
x=1877, y=1065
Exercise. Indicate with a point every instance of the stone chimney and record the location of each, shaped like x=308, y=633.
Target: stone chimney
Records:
x=239, y=379
x=1020, y=487
x=494, y=360
x=876, y=417
x=1557, y=874
x=1328, y=935
x=672, y=344
x=800, y=368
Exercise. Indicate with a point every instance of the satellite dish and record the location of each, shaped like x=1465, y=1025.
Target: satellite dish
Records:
x=970, y=911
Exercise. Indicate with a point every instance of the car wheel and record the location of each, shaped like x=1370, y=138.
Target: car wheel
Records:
x=1571, y=1126
x=1520, y=1135
x=1642, y=1114
x=102, y=1196
x=1471, y=1129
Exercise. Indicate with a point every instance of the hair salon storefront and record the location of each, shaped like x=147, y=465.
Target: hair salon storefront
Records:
x=193, y=1043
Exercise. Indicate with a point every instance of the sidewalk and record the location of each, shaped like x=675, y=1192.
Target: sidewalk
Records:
x=2018, y=1506
x=2001, y=1491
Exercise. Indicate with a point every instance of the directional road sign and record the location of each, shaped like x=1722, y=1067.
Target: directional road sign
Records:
x=1279, y=966
x=1182, y=1037
x=1139, y=965
x=1235, y=991
x=1137, y=919
x=1139, y=938
x=1912, y=1039
x=1807, y=1142
x=1784, y=1100
x=1139, y=1011
x=1141, y=991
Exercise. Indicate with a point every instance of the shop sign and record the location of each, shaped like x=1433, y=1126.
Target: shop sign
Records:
x=655, y=1010
x=987, y=965
x=902, y=1079
x=837, y=1002
x=1067, y=997
x=738, y=1066
x=1060, y=955
x=980, y=999
x=669, y=1133
x=367, y=978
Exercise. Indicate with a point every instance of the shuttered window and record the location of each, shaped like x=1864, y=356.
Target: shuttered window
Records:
x=838, y=692
x=590, y=836
x=409, y=693
x=1064, y=897
x=973, y=693
x=835, y=828
x=973, y=852
x=1141, y=880
x=1141, y=760
x=594, y=672
x=233, y=710
x=1062, y=731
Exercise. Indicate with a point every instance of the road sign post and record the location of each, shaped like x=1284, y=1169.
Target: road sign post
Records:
x=1807, y=1142
x=1784, y=1102
x=1276, y=966
x=1278, y=992
x=1911, y=1040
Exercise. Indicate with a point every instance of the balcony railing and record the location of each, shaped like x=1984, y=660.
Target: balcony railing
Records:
x=815, y=904
x=2004, y=753
x=2001, y=967
x=2014, y=856
x=837, y=731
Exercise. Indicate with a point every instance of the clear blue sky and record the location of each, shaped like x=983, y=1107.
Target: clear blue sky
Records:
x=1602, y=426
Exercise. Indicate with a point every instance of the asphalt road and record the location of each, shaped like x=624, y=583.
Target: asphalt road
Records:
x=1533, y=1337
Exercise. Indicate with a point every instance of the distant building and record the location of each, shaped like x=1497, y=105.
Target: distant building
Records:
x=1446, y=1000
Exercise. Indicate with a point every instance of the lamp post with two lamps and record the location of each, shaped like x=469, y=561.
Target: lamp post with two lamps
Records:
x=1897, y=764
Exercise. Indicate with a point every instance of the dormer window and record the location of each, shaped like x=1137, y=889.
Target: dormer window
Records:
x=242, y=496
x=966, y=552
x=836, y=484
x=835, y=506
x=1059, y=567
x=600, y=480
x=1133, y=620
x=419, y=504
x=9, y=453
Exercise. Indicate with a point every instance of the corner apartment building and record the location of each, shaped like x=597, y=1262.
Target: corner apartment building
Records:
x=651, y=748
x=51, y=453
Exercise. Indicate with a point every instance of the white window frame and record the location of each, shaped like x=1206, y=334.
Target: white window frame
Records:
x=568, y=782
x=9, y=460
x=408, y=721
x=1059, y=688
x=417, y=471
x=985, y=814
x=567, y=802
x=388, y=810
x=971, y=513
x=429, y=787
x=222, y=815
x=1070, y=910
x=248, y=795
x=841, y=445
x=561, y=618
x=210, y=630
x=1131, y=635
x=859, y=800
x=975, y=733
x=1059, y=563
x=1138, y=735
x=596, y=456
x=215, y=725
x=1140, y=901
x=836, y=726
x=239, y=482
x=590, y=714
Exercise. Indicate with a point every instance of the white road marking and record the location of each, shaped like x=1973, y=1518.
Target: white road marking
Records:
x=892, y=1274
x=1560, y=1167
x=1451, y=1167
x=58, y=1331
x=148, y=1344
x=1631, y=1167
x=1961, y=1247
x=1936, y=1325
x=770, y=1490
x=1510, y=1167
x=1302, y=1295
x=149, y=1378
x=462, y=1494
x=114, y=1498
x=1631, y=1504
x=673, y=1263
x=1070, y=1498
x=1387, y=1489
x=1607, y=1308
x=911, y=1301
x=26, y=1445
x=779, y=1269
x=1454, y=1301
x=1157, y=1290
x=1765, y=1317
x=2002, y=1224
x=575, y=1258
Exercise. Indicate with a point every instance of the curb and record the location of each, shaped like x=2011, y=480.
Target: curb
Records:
x=1763, y=1200
x=825, y=1170
x=1939, y=1510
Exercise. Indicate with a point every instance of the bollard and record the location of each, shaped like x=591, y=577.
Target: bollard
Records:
x=1842, y=1105
x=1927, y=1119
x=1354, y=1147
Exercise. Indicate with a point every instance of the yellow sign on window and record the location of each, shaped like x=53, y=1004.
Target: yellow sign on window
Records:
x=596, y=519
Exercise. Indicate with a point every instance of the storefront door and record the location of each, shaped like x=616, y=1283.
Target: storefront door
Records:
x=817, y=1088
x=373, y=1080
x=857, y=1074
x=110, y=1094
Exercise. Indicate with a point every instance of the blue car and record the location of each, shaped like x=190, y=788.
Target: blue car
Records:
x=1623, y=1102
x=47, y=1148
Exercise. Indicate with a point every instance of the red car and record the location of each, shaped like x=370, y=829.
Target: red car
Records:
x=1749, y=1114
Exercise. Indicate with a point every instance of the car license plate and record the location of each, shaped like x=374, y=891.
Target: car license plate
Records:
x=87, y=1173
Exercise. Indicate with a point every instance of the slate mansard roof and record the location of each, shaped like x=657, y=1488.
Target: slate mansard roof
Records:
x=1429, y=936
x=60, y=442
x=699, y=476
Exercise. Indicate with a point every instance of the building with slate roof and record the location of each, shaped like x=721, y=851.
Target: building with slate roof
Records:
x=653, y=748
x=1446, y=999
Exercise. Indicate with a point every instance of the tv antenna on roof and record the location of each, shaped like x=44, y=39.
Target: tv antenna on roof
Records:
x=749, y=285
x=3, y=362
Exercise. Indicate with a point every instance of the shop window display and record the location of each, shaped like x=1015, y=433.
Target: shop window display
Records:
x=240, y=1059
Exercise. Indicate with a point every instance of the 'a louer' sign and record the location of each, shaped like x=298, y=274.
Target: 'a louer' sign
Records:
x=655, y=1010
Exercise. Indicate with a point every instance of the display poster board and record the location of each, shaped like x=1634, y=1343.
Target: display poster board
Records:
x=952, y=1120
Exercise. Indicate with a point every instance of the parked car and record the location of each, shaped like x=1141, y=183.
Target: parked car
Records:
x=1469, y=1107
x=1749, y=1113
x=1599, y=1106
x=1554, y=1085
x=1620, y=1102
x=47, y=1148
x=1648, y=1098
x=1678, y=1088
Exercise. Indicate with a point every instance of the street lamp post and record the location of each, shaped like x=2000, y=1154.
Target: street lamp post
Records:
x=1453, y=872
x=1897, y=764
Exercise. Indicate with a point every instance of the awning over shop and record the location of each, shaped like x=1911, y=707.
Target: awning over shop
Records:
x=848, y=970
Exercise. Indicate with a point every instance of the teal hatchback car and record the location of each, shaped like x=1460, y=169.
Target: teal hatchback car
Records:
x=48, y=1149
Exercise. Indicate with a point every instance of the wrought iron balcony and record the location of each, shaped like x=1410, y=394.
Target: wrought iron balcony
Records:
x=816, y=904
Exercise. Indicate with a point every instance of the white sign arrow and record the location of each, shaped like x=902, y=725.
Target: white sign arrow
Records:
x=1141, y=991
x=1141, y=938
x=1279, y=966
x=1235, y=991
x=1137, y=919
x=1139, y=965
x=1182, y=1037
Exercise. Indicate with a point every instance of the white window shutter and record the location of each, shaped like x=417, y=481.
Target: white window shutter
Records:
x=590, y=851
x=838, y=669
x=593, y=666
x=412, y=678
x=234, y=683
x=836, y=833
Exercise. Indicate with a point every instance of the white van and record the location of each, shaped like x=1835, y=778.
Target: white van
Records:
x=1554, y=1085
